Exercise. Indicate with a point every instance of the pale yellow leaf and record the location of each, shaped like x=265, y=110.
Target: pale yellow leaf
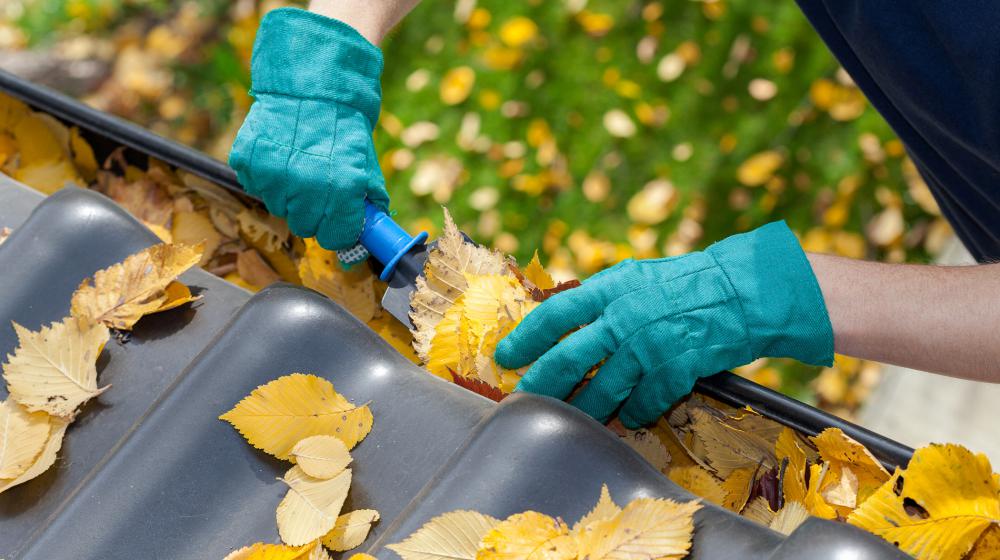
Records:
x=758, y=510
x=262, y=551
x=121, y=294
x=529, y=536
x=788, y=518
x=45, y=459
x=350, y=530
x=450, y=536
x=647, y=444
x=321, y=456
x=444, y=280
x=276, y=416
x=54, y=369
x=311, y=506
x=646, y=529
x=605, y=509
x=839, y=451
x=194, y=228
x=22, y=437
x=254, y=269
x=938, y=507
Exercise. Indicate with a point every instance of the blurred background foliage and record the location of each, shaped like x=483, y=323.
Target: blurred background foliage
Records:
x=590, y=131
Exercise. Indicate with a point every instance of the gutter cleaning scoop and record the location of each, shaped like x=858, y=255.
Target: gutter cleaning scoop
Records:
x=402, y=258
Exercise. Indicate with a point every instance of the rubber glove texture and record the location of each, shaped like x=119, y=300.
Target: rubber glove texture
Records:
x=306, y=147
x=663, y=323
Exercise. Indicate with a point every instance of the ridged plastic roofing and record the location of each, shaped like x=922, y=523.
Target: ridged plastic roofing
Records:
x=148, y=471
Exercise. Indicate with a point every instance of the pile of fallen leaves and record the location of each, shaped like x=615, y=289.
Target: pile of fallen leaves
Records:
x=243, y=244
x=53, y=371
x=944, y=505
x=646, y=528
x=469, y=299
x=300, y=418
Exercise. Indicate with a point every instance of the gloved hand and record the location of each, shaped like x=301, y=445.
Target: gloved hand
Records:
x=664, y=323
x=306, y=146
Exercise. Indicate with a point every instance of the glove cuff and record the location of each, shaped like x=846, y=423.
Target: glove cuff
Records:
x=306, y=55
x=783, y=306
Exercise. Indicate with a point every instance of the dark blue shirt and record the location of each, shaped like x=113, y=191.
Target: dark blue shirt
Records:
x=932, y=69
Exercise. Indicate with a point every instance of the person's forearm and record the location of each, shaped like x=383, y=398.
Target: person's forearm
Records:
x=940, y=319
x=372, y=18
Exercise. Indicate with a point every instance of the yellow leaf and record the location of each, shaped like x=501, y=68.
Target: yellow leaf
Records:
x=311, y=506
x=654, y=203
x=938, y=507
x=529, y=536
x=794, y=483
x=457, y=84
x=121, y=294
x=47, y=176
x=839, y=451
x=396, y=334
x=646, y=529
x=444, y=280
x=350, y=530
x=788, y=518
x=645, y=443
x=22, y=437
x=54, y=370
x=535, y=274
x=321, y=456
x=699, y=482
x=353, y=289
x=261, y=551
x=759, y=168
x=192, y=228
x=83, y=155
x=988, y=545
x=177, y=295
x=604, y=510
x=814, y=500
x=276, y=416
x=716, y=444
x=45, y=459
x=451, y=536
x=38, y=141
x=12, y=110
x=737, y=488
x=362, y=556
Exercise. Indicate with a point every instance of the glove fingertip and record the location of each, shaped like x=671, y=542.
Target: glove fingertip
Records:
x=508, y=354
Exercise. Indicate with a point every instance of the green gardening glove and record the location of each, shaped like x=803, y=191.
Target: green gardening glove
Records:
x=664, y=323
x=306, y=147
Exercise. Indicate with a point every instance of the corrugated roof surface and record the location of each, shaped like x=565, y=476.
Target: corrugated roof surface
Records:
x=148, y=471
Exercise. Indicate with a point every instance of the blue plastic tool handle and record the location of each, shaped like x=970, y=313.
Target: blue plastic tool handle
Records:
x=385, y=240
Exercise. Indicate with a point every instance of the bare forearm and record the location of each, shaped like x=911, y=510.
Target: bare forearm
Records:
x=940, y=319
x=372, y=18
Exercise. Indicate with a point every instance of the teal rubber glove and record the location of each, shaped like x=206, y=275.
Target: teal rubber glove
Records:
x=664, y=323
x=306, y=146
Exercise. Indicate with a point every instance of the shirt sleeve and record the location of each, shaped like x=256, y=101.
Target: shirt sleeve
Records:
x=932, y=69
